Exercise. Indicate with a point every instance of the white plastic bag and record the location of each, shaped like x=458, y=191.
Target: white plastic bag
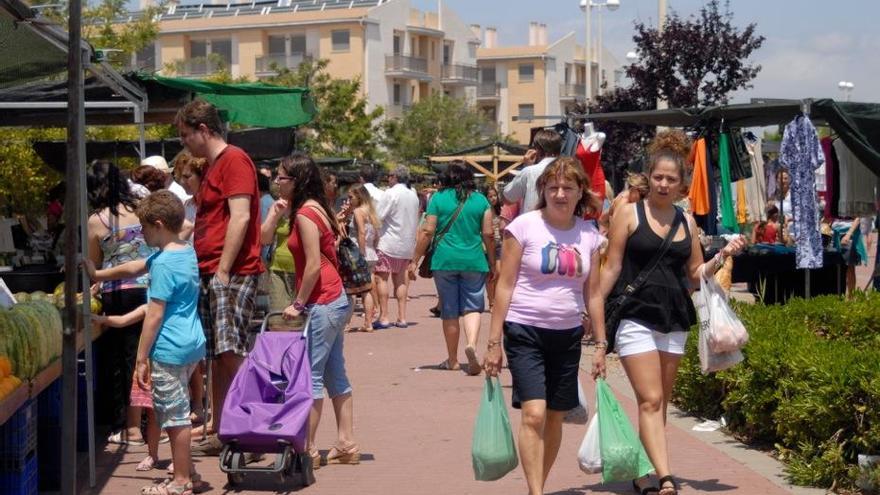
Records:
x=579, y=414
x=589, y=455
x=726, y=332
x=710, y=359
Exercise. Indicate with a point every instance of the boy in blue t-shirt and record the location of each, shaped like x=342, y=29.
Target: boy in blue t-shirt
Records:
x=172, y=341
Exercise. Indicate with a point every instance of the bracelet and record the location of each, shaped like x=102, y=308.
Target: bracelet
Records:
x=299, y=306
x=492, y=343
x=601, y=344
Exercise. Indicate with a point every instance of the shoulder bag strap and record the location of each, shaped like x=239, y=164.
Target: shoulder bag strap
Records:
x=667, y=241
x=439, y=236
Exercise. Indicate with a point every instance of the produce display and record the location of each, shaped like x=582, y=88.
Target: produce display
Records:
x=30, y=335
x=8, y=381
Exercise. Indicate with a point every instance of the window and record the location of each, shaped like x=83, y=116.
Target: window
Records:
x=447, y=53
x=526, y=72
x=198, y=49
x=298, y=44
x=223, y=48
x=433, y=50
x=145, y=58
x=397, y=93
x=398, y=48
x=527, y=112
x=567, y=73
x=487, y=75
x=341, y=40
x=276, y=45
x=472, y=51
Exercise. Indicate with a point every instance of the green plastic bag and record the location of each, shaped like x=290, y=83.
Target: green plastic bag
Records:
x=623, y=456
x=492, y=451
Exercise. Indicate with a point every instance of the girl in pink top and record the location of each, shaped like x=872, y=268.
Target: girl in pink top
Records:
x=543, y=288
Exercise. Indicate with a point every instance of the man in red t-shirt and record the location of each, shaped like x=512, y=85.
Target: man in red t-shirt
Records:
x=226, y=238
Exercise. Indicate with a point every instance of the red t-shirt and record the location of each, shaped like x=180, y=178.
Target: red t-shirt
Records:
x=329, y=285
x=232, y=174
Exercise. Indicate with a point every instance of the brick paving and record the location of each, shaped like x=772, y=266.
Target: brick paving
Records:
x=414, y=424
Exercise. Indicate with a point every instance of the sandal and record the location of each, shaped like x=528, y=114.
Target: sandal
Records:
x=445, y=366
x=316, y=458
x=167, y=487
x=344, y=455
x=119, y=439
x=665, y=490
x=644, y=490
x=147, y=464
x=474, y=367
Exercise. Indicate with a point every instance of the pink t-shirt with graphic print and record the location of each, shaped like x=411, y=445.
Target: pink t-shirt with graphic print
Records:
x=549, y=291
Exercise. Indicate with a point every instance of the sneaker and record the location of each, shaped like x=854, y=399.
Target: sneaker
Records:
x=211, y=446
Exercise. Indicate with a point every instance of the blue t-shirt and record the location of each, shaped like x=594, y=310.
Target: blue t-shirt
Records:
x=174, y=279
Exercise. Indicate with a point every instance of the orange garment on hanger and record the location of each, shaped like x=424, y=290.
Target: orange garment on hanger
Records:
x=699, y=193
x=742, y=215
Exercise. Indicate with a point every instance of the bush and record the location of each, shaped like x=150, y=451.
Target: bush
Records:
x=809, y=385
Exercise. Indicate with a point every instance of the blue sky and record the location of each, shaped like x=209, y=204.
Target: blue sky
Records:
x=810, y=45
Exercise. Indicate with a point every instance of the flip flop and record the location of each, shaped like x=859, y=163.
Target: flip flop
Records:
x=147, y=464
x=445, y=366
x=400, y=324
x=474, y=367
x=378, y=325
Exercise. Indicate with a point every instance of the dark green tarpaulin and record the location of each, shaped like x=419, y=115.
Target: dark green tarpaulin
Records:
x=255, y=104
x=857, y=124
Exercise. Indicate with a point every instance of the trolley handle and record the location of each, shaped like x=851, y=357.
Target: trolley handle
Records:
x=265, y=323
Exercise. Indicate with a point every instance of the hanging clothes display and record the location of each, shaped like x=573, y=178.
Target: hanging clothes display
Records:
x=756, y=187
x=832, y=178
x=857, y=184
x=699, y=193
x=801, y=154
x=740, y=161
x=742, y=214
x=711, y=227
x=592, y=163
x=728, y=217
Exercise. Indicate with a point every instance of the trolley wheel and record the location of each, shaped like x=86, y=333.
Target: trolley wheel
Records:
x=302, y=465
x=235, y=478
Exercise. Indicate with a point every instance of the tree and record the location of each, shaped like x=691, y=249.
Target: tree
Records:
x=696, y=61
x=437, y=124
x=343, y=126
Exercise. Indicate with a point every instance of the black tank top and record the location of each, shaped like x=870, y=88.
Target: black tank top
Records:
x=663, y=303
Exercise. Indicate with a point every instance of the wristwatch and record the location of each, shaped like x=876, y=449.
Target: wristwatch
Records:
x=299, y=306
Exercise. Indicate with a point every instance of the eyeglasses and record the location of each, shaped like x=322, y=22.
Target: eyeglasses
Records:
x=282, y=178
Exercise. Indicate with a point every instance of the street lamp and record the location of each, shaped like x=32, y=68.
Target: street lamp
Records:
x=846, y=87
x=586, y=6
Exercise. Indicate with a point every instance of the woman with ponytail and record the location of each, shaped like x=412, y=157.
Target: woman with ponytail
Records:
x=654, y=320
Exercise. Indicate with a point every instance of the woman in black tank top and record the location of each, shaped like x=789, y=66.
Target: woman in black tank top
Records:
x=655, y=319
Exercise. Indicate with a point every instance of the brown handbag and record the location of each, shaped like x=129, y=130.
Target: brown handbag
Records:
x=425, y=267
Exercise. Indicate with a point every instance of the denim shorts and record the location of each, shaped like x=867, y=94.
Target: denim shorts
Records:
x=460, y=292
x=325, y=329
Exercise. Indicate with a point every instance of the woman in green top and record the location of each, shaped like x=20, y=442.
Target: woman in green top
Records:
x=462, y=220
x=282, y=272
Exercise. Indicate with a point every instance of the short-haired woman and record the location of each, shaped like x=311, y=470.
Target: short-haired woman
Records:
x=654, y=321
x=549, y=267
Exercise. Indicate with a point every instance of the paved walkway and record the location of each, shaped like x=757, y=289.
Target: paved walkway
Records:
x=414, y=424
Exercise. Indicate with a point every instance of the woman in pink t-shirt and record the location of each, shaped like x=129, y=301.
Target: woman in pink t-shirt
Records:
x=540, y=300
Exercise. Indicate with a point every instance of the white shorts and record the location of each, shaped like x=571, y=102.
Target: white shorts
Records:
x=635, y=338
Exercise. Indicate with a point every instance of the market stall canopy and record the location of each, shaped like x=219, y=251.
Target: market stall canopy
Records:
x=857, y=124
x=256, y=104
x=260, y=144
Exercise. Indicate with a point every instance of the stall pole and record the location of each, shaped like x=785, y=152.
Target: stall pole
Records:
x=73, y=236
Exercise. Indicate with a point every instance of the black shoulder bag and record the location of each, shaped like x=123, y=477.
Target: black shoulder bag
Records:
x=614, y=307
x=425, y=268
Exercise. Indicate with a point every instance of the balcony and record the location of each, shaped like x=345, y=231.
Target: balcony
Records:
x=407, y=67
x=572, y=91
x=489, y=129
x=488, y=91
x=460, y=74
x=397, y=110
x=267, y=65
x=200, y=66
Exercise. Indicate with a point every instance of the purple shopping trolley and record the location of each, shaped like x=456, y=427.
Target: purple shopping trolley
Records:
x=267, y=408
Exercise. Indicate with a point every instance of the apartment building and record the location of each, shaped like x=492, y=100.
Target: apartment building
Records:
x=521, y=87
x=401, y=54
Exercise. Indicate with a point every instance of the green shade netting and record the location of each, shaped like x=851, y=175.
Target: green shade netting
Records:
x=255, y=104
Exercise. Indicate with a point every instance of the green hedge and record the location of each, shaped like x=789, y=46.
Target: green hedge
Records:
x=809, y=386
